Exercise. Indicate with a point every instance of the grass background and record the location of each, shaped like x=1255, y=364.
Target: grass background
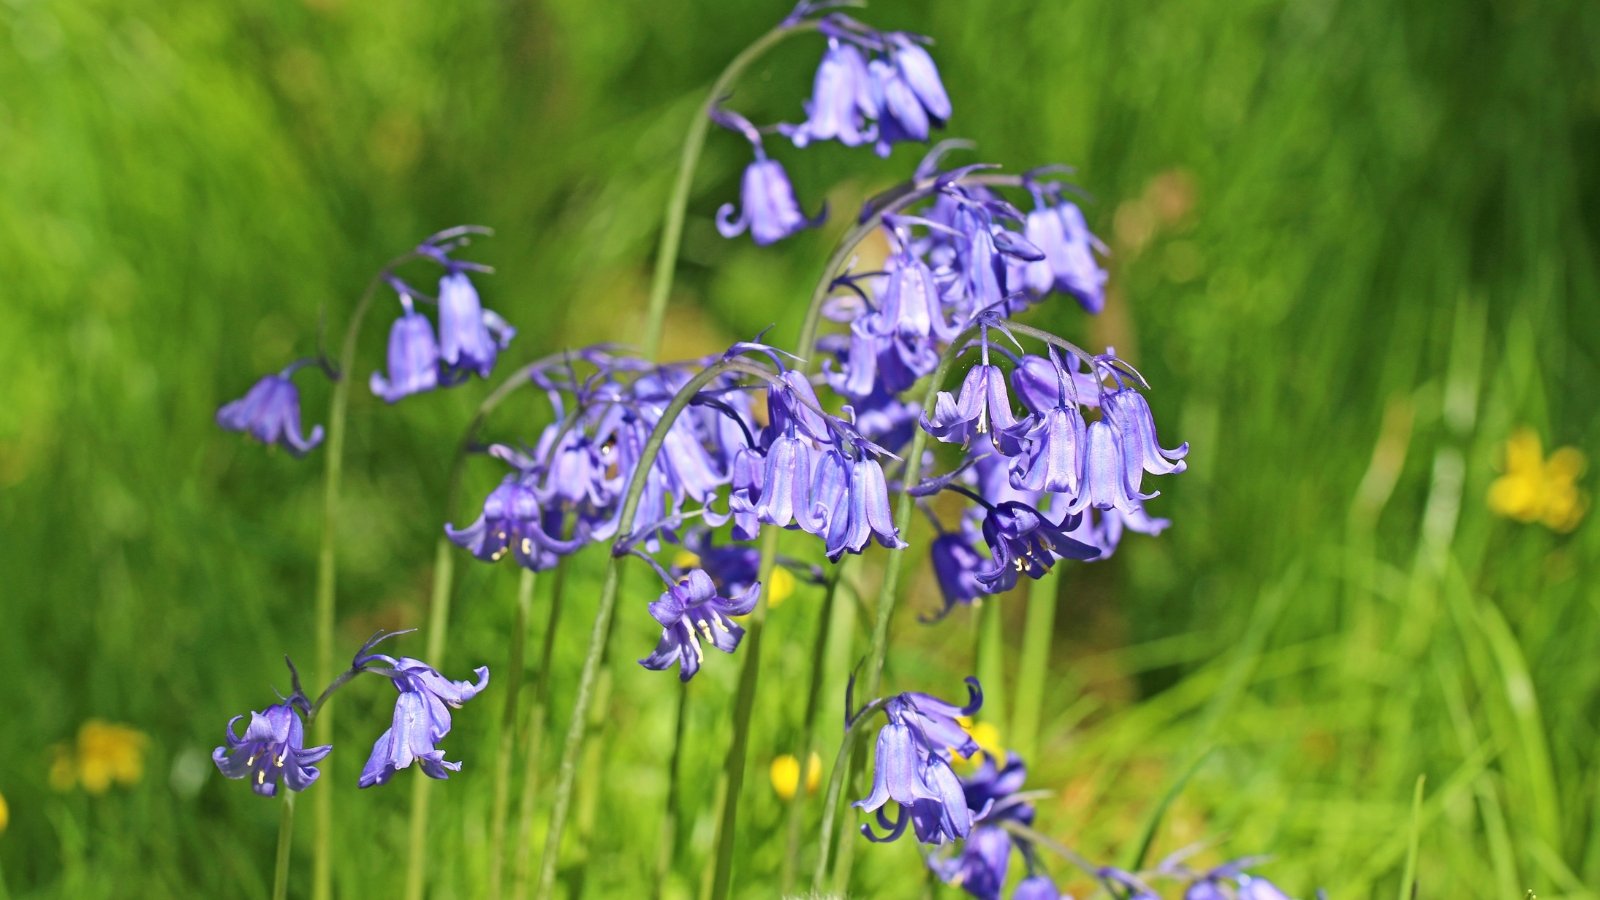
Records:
x=1355, y=245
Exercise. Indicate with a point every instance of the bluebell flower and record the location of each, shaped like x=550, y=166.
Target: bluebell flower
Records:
x=850, y=505
x=270, y=413
x=1038, y=383
x=956, y=565
x=841, y=106
x=1110, y=482
x=786, y=481
x=993, y=796
x=980, y=868
x=982, y=408
x=1036, y=887
x=1127, y=409
x=1047, y=451
x=1058, y=229
x=912, y=767
x=769, y=211
x=421, y=718
x=470, y=337
x=413, y=357
x=271, y=751
x=514, y=522
x=690, y=609
x=918, y=70
x=1024, y=541
x=907, y=93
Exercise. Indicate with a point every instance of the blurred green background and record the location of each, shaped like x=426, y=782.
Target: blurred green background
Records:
x=1355, y=246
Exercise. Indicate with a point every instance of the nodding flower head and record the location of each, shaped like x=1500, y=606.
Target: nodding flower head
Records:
x=981, y=409
x=1024, y=541
x=270, y=413
x=512, y=522
x=992, y=796
x=908, y=94
x=769, y=211
x=956, y=566
x=413, y=357
x=841, y=106
x=1057, y=228
x=470, y=337
x=271, y=751
x=421, y=717
x=912, y=767
x=690, y=609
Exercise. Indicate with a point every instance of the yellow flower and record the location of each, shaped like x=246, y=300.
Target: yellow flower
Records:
x=106, y=753
x=779, y=587
x=988, y=739
x=685, y=560
x=785, y=774
x=1534, y=489
x=5, y=814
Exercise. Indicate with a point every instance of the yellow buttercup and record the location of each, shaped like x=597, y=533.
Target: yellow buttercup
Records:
x=785, y=774
x=1535, y=489
x=105, y=753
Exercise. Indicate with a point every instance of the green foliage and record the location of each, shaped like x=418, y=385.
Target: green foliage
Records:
x=1355, y=245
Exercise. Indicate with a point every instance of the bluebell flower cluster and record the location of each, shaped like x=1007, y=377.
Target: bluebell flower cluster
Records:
x=912, y=767
x=468, y=341
x=272, y=751
x=877, y=87
x=469, y=338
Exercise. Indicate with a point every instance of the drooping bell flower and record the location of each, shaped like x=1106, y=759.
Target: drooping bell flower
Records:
x=1024, y=541
x=992, y=794
x=912, y=767
x=270, y=413
x=271, y=751
x=956, y=564
x=690, y=609
x=1109, y=482
x=1057, y=227
x=982, y=408
x=769, y=210
x=850, y=504
x=470, y=337
x=786, y=481
x=1130, y=413
x=421, y=717
x=841, y=106
x=980, y=868
x=512, y=522
x=907, y=93
x=413, y=357
x=1047, y=451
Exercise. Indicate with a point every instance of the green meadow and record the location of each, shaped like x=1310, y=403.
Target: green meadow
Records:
x=1355, y=246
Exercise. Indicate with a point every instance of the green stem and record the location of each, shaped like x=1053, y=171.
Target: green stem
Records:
x=280, y=872
x=990, y=662
x=578, y=725
x=678, y=204
x=734, y=765
x=830, y=803
x=1033, y=670
x=535, y=742
x=667, y=848
x=508, y=734
x=444, y=564
x=323, y=613
x=819, y=648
